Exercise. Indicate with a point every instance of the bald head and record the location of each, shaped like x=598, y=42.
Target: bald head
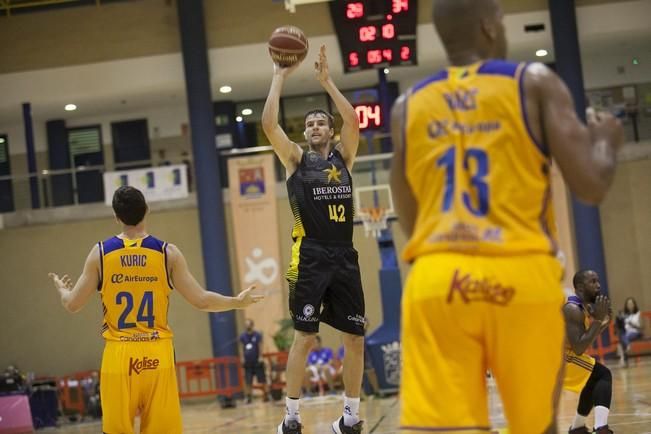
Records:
x=470, y=30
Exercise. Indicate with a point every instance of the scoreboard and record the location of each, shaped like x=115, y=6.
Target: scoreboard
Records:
x=375, y=33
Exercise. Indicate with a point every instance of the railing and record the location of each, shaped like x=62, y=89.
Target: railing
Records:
x=16, y=190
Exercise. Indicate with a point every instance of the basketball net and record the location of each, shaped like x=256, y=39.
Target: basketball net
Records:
x=375, y=221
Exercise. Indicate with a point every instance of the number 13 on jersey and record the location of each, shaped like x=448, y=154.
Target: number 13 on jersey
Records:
x=477, y=179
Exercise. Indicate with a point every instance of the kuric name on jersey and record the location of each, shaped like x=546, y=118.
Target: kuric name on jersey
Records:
x=133, y=260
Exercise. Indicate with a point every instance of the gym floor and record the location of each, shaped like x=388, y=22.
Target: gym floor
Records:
x=630, y=413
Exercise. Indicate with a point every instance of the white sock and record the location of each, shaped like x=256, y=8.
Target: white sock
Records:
x=579, y=421
x=291, y=405
x=601, y=416
x=351, y=411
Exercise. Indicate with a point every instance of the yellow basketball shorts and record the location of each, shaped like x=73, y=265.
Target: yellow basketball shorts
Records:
x=577, y=371
x=140, y=378
x=463, y=315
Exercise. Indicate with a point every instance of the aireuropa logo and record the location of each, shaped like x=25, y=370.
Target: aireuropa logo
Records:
x=137, y=365
x=125, y=278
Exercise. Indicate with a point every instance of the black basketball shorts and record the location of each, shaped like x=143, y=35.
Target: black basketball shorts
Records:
x=325, y=285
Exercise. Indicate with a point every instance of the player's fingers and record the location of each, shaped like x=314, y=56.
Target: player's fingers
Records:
x=590, y=115
x=52, y=275
x=247, y=290
x=257, y=297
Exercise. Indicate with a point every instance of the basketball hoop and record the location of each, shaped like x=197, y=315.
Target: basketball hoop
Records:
x=374, y=220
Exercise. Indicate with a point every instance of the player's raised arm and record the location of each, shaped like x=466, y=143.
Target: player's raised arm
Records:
x=406, y=206
x=288, y=152
x=350, y=130
x=586, y=155
x=208, y=301
x=74, y=298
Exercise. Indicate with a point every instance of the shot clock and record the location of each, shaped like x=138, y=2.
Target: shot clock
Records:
x=375, y=33
x=369, y=115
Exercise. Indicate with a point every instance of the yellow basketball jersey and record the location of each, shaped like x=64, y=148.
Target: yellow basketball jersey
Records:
x=134, y=288
x=481, y=182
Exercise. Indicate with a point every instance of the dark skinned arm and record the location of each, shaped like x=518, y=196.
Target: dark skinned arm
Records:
x=586, y=154
x=578, y=337
x=405, y=203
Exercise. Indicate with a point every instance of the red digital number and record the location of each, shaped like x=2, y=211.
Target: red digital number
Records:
x=388, y=31
x=367, y=33
x=361, y=115
x=405, y=53
x=369, y=115
x=398, y=6
x=354, y=10
x=387, y=54
x=375, y=114
x=353, y=58
x=374, y=56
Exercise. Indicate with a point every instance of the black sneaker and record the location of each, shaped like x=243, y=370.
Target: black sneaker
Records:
x=290, y=427
x=603, y=430
x=338, y=427
x=579, y=430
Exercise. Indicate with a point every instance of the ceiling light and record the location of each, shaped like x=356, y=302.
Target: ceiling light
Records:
x=238, y=119
x=636, y=61
x=541, y=52
x=386, y=71
x=225, y=89
x=2, y=140
x=70, y=107
x=247, y=111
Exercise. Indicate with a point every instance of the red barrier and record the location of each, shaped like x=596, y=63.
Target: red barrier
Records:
x=72, y=396
x=277, y=363
x=217, y=376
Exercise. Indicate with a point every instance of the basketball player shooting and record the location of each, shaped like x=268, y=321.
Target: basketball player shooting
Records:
x=324, y=269
x=134, y=274
x=473, y=145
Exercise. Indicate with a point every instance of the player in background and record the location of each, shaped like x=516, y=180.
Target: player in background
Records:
x=134, y=274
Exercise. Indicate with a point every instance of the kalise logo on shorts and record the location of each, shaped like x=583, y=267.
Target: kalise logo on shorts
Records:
x=137, y=365
x=487, y=290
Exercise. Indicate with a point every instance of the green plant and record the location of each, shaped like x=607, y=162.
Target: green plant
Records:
x=284, y=337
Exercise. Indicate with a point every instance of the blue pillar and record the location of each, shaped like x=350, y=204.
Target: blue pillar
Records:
x=209, y=194
x=587, y=224
x=31, y=155
x=386, y=100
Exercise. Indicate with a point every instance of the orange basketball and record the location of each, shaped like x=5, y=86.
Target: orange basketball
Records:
x=287, y=46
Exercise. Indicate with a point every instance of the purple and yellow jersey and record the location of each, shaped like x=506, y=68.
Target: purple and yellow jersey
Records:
x=578, y=366
x=134, y=288
x=480, y=179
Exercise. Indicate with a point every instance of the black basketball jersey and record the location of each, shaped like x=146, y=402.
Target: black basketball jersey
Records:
x=321, y=196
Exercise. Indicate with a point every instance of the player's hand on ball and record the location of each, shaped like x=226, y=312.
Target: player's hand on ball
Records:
x=321, y=66
x=284, y=71
x=61, y=282
x=246, y=298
